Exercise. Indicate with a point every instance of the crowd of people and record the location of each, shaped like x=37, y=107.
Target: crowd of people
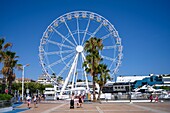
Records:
x=35, y=99
x=153, y=98
x=80, y=100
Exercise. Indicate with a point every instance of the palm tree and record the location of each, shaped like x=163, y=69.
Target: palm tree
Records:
x=9, y=63
x=103, y=78
x=92, y=48
x=3, y=48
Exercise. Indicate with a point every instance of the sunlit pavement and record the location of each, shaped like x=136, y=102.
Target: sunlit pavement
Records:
x=101, y=108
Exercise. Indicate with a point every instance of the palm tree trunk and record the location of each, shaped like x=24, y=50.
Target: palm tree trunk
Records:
x=101, y=87
x=98, y=98
x=3, y=85
x=9, y=87
x=94, y=85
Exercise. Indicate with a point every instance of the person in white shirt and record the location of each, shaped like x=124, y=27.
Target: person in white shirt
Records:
x=35, y=101
x=28, y=101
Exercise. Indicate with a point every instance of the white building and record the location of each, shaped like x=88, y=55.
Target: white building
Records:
x=166, y=80
x=130, y=78
x=42, y=79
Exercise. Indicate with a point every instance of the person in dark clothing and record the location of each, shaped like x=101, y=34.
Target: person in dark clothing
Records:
x=72, y=101
x=80, y=101
x=151, y=98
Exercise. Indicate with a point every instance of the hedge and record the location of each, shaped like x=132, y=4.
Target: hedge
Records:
x=5, y=97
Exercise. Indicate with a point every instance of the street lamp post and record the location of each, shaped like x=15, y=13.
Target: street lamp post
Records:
x=130, y=92
x=23, y=80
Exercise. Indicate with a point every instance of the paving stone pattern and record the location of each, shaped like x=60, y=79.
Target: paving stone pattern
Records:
x=63, y=107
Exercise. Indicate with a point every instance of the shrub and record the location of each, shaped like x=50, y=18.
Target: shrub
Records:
x=5, y=97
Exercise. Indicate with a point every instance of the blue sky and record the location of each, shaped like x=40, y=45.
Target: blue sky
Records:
x=143, y=25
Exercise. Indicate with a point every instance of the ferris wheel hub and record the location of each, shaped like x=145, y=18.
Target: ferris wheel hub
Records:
x=79, y=48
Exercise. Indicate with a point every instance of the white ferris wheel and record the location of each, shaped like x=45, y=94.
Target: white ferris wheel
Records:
x=61, y=50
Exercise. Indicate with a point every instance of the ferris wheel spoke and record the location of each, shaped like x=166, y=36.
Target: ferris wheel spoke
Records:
x=49, y=68
x=60, y=44
x=74, y=72
x=47, y=61
x=62, y=59
x=63, y=37
x=83, y=56
x=78, y=31
x=108, y=58
x=111, y=65
x=85, y=74
x=59, y=52
x=93, y=34
x=87, y=27
x=67, y=65
x=106, y=36
x=109, y=47
x=70, y=32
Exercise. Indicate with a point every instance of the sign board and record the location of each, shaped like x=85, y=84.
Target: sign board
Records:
x=27, y=90
x=6, y=90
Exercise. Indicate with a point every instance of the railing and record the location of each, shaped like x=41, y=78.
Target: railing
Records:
x=137, y=96
x=5, y=103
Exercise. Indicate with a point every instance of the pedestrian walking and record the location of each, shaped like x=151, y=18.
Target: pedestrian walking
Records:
x=80, y=101
x=72, y=101
x=151, y=98
x=28, y=101
x=156, y=98
x=35, y=101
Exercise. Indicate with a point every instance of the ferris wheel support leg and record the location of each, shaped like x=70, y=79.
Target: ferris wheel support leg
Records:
x=68, y=77
x=76, y=81
x=74, y=74
x=55, y=90
x=87, y=85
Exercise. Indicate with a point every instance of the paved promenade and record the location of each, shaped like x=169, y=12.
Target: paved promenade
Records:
x=63, y=107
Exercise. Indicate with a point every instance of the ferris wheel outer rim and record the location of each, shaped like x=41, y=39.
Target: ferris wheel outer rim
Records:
x=73, y=12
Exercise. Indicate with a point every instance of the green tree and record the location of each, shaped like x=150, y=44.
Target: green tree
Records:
x=0, y=87
x=103, y=78
x=16, y=86
x=34, y=86
x=92, y=48
x=59, y=79
x=41, y=88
